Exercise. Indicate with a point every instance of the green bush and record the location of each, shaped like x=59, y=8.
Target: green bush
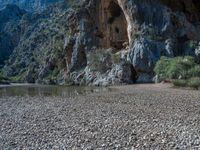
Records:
x=20, y=77
x=194, y=83
x=194, y=72
x=100, y=60
x=162, y=67
x=69, y=80
x=3, y=79
x=174, y=68
x=180, y=83
x=183, y=71
x=116, y=58
x=74, y=3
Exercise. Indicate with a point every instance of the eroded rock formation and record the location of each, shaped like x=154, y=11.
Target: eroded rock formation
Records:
x=111, y=25
x=139, y=31
x=153, y=28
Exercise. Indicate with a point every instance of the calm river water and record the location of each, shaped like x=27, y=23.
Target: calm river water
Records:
x=48, y=90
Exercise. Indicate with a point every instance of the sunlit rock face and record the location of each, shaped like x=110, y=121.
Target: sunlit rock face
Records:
x=165, y=16
x=29, y=5
x=111, y=24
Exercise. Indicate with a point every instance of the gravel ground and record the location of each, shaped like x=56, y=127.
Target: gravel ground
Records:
x=130, y=117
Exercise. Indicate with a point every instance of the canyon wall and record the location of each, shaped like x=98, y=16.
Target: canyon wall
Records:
x=111, y=25
x=138, y=31
x=152, y=28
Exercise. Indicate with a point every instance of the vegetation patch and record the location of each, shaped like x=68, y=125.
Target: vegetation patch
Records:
x=193, y=83
x=182, y=71
x=102, y=60
x=75, y=3
x=18, y=78
x=3, y=79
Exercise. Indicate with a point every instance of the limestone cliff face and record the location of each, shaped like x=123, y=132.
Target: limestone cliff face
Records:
x=152, y=28
x=139, y=31
x=111, y=24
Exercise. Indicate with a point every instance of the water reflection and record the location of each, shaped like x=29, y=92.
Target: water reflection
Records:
x=48, y=90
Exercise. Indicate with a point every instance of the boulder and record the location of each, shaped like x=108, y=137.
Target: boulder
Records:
x=119, y=74
x=144, y=54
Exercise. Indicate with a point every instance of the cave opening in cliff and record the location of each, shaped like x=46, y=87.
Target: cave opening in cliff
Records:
x=111, y=25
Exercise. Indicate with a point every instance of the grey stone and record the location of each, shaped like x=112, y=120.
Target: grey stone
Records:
x=118, y=75
x=144, y=54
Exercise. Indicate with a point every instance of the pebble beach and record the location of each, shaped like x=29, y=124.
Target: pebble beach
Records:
x=134, y=117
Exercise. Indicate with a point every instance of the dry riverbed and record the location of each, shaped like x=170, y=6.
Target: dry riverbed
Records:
x=130, y=117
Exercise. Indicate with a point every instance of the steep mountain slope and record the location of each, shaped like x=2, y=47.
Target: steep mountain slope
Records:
x=9, y=30
x=29, y=5
x=40, y=47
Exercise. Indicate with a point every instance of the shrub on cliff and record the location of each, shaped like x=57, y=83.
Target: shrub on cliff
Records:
x=99, y=60
x=75, y=3
x=102, y=60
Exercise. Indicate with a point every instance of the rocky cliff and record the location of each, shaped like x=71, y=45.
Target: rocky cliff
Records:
x=103, y=42
x=140, y=31
x=29, y=5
